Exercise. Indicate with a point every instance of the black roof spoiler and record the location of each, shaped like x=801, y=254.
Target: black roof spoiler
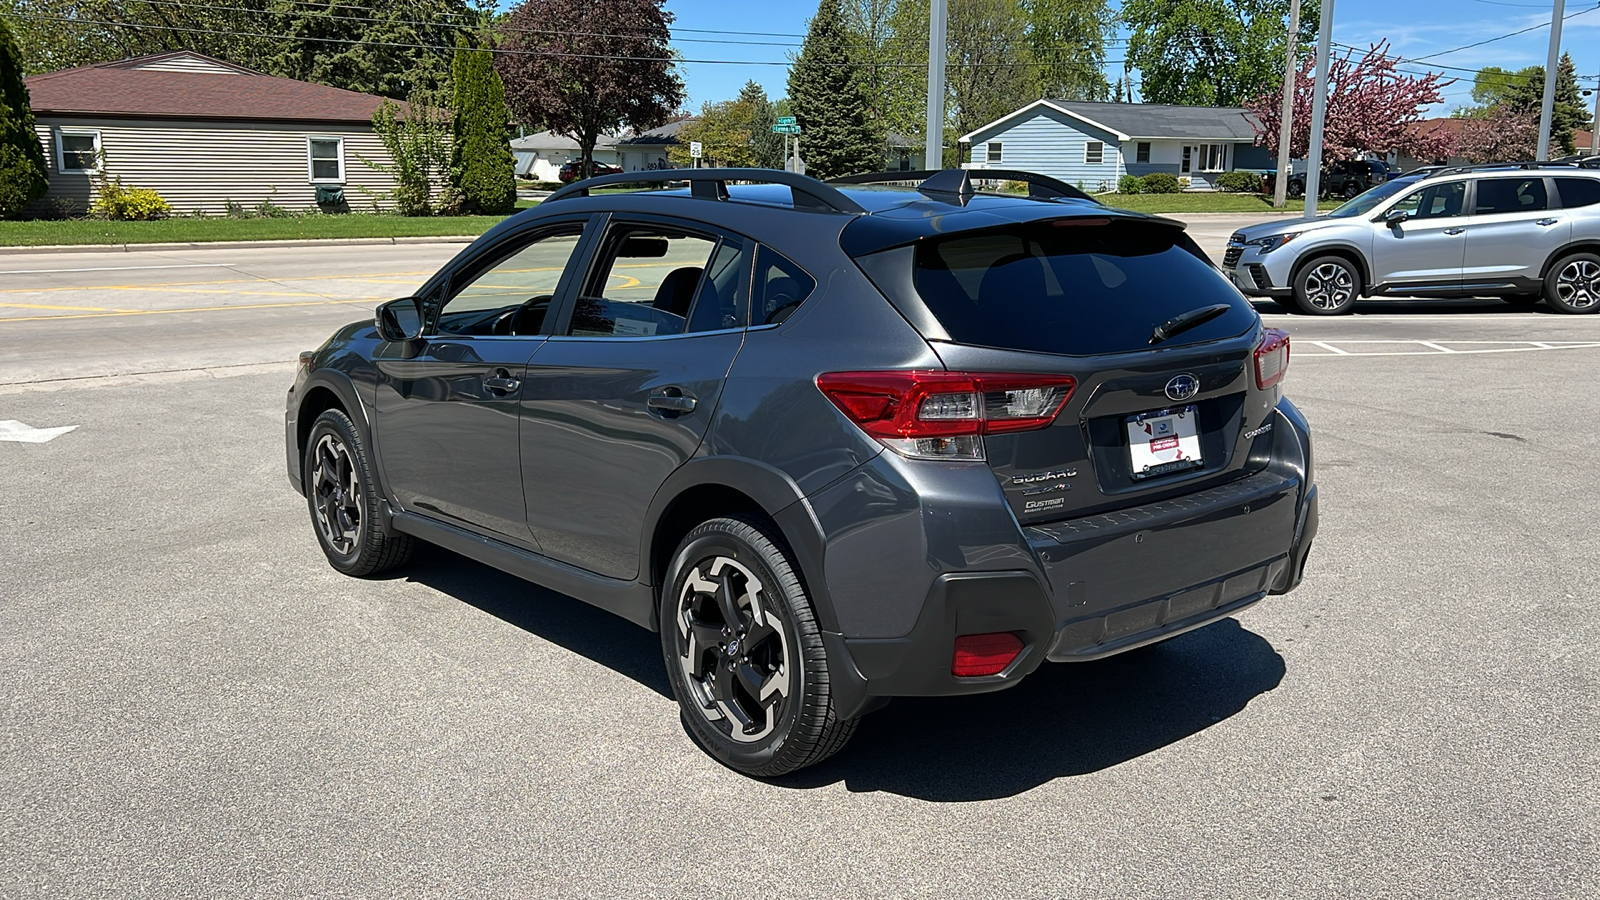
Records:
x=712, y=184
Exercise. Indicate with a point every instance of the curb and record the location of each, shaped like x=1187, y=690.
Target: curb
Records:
x=237, y=245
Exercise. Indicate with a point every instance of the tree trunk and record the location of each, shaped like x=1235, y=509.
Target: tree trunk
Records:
x=586, y=147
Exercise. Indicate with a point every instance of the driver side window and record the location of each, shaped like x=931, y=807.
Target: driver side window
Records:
x=1436, y=201
x=511, y=295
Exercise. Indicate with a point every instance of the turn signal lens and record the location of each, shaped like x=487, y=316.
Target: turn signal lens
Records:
x=943, y=415
x=984, y=654
x=1272, y=358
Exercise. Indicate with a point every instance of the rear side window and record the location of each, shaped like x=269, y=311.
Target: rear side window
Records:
x=1576, y=192
x=1509, y=195
x=1073, y=288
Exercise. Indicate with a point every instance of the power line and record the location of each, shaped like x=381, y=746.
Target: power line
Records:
x=1504, y=36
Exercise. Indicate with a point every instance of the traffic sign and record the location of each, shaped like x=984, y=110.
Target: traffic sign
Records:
x=786, y=129
x=694, y=149
x=786, y=120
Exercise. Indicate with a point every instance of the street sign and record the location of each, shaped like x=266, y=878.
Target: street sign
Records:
x=786, y=129
x=786, y=120
x=694, y=149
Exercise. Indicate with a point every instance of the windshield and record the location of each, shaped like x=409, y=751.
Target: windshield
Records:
x=1364, y=203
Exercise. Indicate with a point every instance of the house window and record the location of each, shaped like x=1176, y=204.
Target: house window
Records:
x=1141, y=152
x=994, y=152
x=325, y=159
x=1093, y=153
x=1206, y=158
x=77, y=151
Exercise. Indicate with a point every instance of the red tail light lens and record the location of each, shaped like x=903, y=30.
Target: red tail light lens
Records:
x=984, y=654
x=943, y=415
x=1272, y=358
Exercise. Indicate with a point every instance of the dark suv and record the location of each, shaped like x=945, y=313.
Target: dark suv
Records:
x=1345, y=178
x=836, y=444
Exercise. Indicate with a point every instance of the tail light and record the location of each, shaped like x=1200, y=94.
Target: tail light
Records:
x=1272, y=358
x=984, y=654
x=944, y=415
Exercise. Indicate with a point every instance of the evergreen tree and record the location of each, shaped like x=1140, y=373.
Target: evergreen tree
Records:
x=481, y=159
x=765, y=145
x=1526, y=94
x=23, y=177
x=830, y=101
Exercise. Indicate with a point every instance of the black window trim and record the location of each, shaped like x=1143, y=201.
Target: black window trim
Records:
x=815, y=285
x=1559, y=202
x=1549, y=195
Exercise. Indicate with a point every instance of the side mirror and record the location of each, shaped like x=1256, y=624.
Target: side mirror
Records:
x=399, y=320
x=1394, y=218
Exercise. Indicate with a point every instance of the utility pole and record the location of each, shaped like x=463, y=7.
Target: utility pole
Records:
x=1594, y=128
x=934, y=159
x=1547, y=110
x=1280, y=192
x=1319, y=108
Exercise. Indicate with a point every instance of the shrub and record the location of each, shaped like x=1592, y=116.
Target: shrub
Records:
x=484, y=172
x=23, y=175
x=1239, y=182
x=114, y=201
x=1130, y=184
x=1162, y=183
x=1014, y=187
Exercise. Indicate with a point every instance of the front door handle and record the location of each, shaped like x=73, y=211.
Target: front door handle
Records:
x=500, y=382
x=1453, y=231
x=1547, y=221
x=671, y=400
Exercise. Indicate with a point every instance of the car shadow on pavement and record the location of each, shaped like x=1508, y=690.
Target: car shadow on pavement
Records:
x=1063, y=720
x=1402, y=306
x=585, y=630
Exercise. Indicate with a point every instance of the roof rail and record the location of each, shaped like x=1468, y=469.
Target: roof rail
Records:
x=1589, y=162
x=712, y=184
x=959, y=182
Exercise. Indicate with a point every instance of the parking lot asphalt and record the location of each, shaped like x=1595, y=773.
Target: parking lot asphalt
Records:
x=195, y=704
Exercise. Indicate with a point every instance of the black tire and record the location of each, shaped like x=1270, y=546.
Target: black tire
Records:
x=1327, y=286
x=343, y=499
x=1573, y=284
x=1297, y=189
x=754, y=693
x=1522, y=300
x=1351, y=190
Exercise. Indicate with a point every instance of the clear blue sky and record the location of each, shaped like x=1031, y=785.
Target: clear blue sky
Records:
x=1415, y=28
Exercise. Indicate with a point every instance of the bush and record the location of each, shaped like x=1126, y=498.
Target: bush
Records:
x=1239, y=182
x=1130, y=184
x=1162, y=183
x=128, y=204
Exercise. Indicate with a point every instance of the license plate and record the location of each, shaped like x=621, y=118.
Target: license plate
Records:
x=1164, y=441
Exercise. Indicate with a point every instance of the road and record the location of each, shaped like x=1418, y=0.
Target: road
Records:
x=194, y=704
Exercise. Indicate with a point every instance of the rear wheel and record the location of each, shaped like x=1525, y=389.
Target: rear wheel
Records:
x=1327, y=286
x=1351, y=189
x=744, y=652
x=343, y=499
x=1573, y=284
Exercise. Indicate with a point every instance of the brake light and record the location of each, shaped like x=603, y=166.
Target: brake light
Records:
x=944, y=415
x=984, y=654
x=1272, y=358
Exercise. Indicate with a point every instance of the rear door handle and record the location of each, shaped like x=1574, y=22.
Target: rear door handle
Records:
x=672, y=400
x=1454, y=230
x=1547, y=221
x=501, y=382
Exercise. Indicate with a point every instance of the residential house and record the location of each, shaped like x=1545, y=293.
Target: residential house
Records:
x=540, y=156
x=1095, y=144
x=205, y=133
x=647, y=150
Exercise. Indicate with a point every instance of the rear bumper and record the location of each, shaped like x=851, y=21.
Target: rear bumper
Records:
x=1101, y=585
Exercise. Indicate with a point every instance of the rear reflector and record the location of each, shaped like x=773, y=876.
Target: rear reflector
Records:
x=984, y=654
x=943, y=415
x=1272, y=358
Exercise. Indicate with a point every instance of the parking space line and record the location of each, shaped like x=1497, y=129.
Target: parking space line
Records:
x=1331, y=349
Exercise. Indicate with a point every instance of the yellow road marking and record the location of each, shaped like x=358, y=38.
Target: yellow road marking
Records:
x=72, y=308
x=188, y=309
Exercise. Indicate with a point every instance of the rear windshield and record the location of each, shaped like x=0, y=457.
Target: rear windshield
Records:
x=1074, y=289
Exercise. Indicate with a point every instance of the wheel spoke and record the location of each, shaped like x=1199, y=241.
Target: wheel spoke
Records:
x=726, y=600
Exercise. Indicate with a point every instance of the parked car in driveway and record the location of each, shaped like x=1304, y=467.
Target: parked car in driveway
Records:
x=572, y=171
x=835, y=443
x=1524, y=232
x=1345, y=178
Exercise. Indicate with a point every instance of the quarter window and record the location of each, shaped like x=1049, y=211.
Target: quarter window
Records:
x=1576, y=192
x=650, y=281
x=77, y=151
x=993, y=152
x=1093, y=153
x=781, y=286
x=1509, y=195
x=512, y=294
x=325, y=158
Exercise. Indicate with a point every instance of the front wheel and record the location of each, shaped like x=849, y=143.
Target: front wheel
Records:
x=1327, y=286
x=1573, y=284
x=343, y=497
x=744, y=652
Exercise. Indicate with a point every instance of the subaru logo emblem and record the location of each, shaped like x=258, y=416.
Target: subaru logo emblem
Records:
x=1182, y=387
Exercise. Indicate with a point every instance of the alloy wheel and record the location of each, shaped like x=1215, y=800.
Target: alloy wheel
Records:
x=733, y=650
x=1578, y=285
x=1329, y=286
x=338, y=500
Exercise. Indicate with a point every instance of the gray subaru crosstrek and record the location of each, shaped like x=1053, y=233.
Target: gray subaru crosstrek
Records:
x=837, y=444
x=1524, y=232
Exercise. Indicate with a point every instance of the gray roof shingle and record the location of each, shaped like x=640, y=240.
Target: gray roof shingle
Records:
x=1158, y=120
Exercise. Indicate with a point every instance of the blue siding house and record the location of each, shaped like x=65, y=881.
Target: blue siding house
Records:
x=1094, y=144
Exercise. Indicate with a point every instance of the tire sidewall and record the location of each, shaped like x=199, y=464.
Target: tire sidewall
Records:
x=700, y=545
x=1553, y=299
x=337, y=424
x=1302, y=305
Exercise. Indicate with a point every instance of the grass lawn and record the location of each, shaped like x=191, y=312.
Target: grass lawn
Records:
x=1203, y=203
x=353, y=225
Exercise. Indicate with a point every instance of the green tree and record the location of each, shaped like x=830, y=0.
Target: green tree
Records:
x=23, y=176
x=480, y=159
x=736, y=133
x=765, y=146
x=1211, y=52
x=1068, y=38
x=417, y=136
x=1493, y=85
x=830, y=101
x=1526, y=94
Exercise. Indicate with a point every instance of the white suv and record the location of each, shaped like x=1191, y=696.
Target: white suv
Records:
x=1524, y=232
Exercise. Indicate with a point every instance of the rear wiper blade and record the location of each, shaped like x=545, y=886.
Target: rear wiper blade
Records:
x=1185, y=321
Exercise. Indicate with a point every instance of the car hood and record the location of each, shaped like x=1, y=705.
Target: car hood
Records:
x=1281, y=226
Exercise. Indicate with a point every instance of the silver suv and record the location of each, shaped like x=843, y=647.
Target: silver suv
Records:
x=1523, y=232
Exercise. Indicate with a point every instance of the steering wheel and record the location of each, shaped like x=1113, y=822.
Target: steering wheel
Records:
x=505, y=323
